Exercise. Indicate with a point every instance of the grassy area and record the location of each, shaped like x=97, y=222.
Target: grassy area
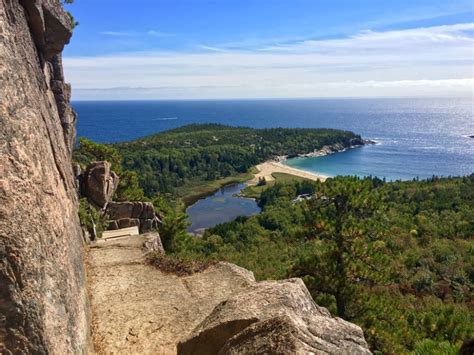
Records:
x=283, y=177
x=254, y=191
x=196, y=190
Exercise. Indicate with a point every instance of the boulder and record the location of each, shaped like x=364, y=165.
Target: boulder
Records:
x=273, y=317
x=278, y=335
x=100, y=183
x=152, y=243
x=148, y=211
x=124, y=212
x=135, y=209
x=119, y=210
x=113, y=225
x=128, y=222
x=146, y=225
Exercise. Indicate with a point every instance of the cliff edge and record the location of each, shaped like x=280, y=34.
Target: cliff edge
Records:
x=43, y=302
x=44, y=306
x=138, y=309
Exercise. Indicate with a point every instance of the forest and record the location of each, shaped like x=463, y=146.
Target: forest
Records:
x=194, y=155
x=396, y=258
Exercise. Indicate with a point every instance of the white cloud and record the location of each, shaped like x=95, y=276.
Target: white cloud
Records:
x=116, y=33
x=420, y=61
x=159, y=34
x=135, y=33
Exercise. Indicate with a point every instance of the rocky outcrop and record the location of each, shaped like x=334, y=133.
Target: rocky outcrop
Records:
x=139, y=310
x=130, y=214
x=43, y=301
x=277, y=317
x=100, y=183
x=221, y=310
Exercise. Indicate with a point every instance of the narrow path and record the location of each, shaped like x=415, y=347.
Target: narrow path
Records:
x=138, y=309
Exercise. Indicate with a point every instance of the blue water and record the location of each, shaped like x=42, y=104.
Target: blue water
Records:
x=417, y=137
x=220, y=207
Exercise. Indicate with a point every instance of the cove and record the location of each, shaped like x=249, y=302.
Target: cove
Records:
x=220, y=207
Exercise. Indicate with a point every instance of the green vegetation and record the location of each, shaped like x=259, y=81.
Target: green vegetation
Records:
x=172, y=212
x=195, y=190
x=88, y=151
x=90, y=218
x=396, y=258
x=254, y=191
x=198, y=159
x=74, y=23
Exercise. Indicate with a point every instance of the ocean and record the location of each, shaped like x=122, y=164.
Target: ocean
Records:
x=415, y=137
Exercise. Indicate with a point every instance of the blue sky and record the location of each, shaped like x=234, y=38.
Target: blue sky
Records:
x=197, y=49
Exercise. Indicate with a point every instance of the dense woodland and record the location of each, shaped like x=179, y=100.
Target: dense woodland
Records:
x=167, y=161
x=396, y=258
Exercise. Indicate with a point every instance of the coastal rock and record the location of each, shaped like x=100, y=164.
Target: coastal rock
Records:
x=43, y=300
x=100, y=183
x=269, y=316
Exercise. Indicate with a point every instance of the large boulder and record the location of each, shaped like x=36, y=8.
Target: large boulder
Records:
x=135, y=209
x=100, y=183
x=128, y=214
x=277, y=317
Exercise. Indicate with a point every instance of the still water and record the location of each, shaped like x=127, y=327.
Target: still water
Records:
x=223, y=206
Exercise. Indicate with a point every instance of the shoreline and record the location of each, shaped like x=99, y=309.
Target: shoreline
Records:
x=268, y=168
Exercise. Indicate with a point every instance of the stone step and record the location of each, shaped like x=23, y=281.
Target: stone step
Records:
x=120, y=233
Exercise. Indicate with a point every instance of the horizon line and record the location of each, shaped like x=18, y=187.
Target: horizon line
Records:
x=285, y=98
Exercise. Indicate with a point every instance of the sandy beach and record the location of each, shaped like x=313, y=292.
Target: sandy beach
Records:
x=267, y=168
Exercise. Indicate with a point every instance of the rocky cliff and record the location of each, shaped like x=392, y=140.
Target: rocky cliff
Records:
x=138, y=309
x=43, y=302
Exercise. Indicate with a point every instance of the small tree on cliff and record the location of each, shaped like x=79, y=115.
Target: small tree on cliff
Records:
x=348, y=249
x=74, y=23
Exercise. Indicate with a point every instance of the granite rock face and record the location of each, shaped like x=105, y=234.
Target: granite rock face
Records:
x=43, y=300
x=273, y=317
x=129, y=214
x=100, y=183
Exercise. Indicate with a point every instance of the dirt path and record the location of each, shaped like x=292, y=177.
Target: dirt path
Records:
x=267, y=168
x=139, y=310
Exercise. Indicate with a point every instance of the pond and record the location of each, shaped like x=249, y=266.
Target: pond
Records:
x=223, y=206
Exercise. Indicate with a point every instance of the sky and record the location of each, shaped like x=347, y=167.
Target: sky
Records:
x=230, y=49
